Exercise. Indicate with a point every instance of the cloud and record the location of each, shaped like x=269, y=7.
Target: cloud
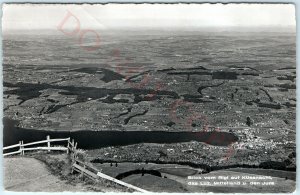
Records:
x=49, y=16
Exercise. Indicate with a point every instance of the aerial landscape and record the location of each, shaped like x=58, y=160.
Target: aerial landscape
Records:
x=157, y=108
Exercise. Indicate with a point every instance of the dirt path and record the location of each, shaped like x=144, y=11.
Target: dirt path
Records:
x=29, y=174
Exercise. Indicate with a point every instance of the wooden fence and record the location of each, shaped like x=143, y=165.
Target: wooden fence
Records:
x=77, y=165
x=89, y=171
x=24, y=147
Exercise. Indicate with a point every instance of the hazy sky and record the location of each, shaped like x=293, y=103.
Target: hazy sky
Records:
x=26, y=16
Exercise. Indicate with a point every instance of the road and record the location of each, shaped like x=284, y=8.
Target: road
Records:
x=31, y=175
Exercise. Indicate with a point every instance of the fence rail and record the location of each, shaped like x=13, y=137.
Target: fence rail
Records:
x=46, y=148
x=11, y=153
x=45, y=141
x=12, y=146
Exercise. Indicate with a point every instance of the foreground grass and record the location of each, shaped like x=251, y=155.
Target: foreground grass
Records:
x=60, y=164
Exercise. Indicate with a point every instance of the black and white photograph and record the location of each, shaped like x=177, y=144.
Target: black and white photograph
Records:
x=177, y=98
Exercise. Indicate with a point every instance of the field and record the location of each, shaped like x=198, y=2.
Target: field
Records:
x=236, y=90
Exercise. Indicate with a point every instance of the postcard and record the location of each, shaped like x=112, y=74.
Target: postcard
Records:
x=185, y=98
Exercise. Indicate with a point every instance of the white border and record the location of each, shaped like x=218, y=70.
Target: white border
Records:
x=150, y=1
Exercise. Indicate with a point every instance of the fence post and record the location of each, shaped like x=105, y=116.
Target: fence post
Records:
x=21, y=151
x=82, y=171
x=73, y=144
x=68, y=145
x=75, y=152
x=48, y=142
